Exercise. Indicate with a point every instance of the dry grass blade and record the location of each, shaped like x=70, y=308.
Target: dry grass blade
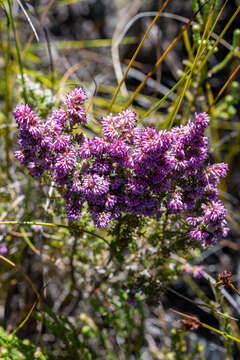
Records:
x=224, y=87
x=28, y=19
x=11, y=263
x=94, y=93
x=136, y=52
x=7, y=261
x=182, y=314
x=69, y=72
x=162, y=57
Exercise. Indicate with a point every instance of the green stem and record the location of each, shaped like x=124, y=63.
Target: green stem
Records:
x=18, y=50
x=220, y=332
x=7, y=96
x=200, y=50
x=195, y=7
x=218, y=39
x=156, y=106
x=78, y=228
x=232, y=53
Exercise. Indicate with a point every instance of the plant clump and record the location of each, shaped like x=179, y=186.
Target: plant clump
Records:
x=129, y=169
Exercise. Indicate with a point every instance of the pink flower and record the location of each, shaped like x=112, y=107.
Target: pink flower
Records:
x=187, y=268
x=198, y=272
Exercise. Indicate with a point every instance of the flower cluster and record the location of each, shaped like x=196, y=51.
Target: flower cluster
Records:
x=128, y=170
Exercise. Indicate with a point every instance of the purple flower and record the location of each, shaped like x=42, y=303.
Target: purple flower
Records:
x=85, y=150
x=192, y=220
x=61, y=142
x=201, y=121
x=47, y=142
x=126, y=120
x=73, y=212
x=37, y=228
x=138, y=157
x=131, y=300
x=214, y=172
x=136, y=186
x=28, y=123
x=175, y=203
x=58, y=116
x=25, y=117
x=109, y=127
x=118, y=149
x=213, y=211
x=20, y=155
x=94, y=185
x=76, y=182
x=53, y=127
x=75, y=99
x=65, y=161
x=169, y=161
x=102, y=219
x=199, y=234
x=35, y=169
x=198, y=272
x=166, y=185
x=3, y=249
x=110, y=201
x=101, y=166
x=116, y=183
x=187, y=268
x=98, y=146
x=74, y=102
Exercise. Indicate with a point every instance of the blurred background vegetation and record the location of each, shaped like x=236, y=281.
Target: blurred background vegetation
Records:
x=63, y=295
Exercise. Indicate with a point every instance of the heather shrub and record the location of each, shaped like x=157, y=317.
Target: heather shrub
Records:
x=128, y=170
x=117, y=199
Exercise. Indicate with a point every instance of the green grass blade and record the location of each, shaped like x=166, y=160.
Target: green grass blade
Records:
x=156, y=106
x=135, y=54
